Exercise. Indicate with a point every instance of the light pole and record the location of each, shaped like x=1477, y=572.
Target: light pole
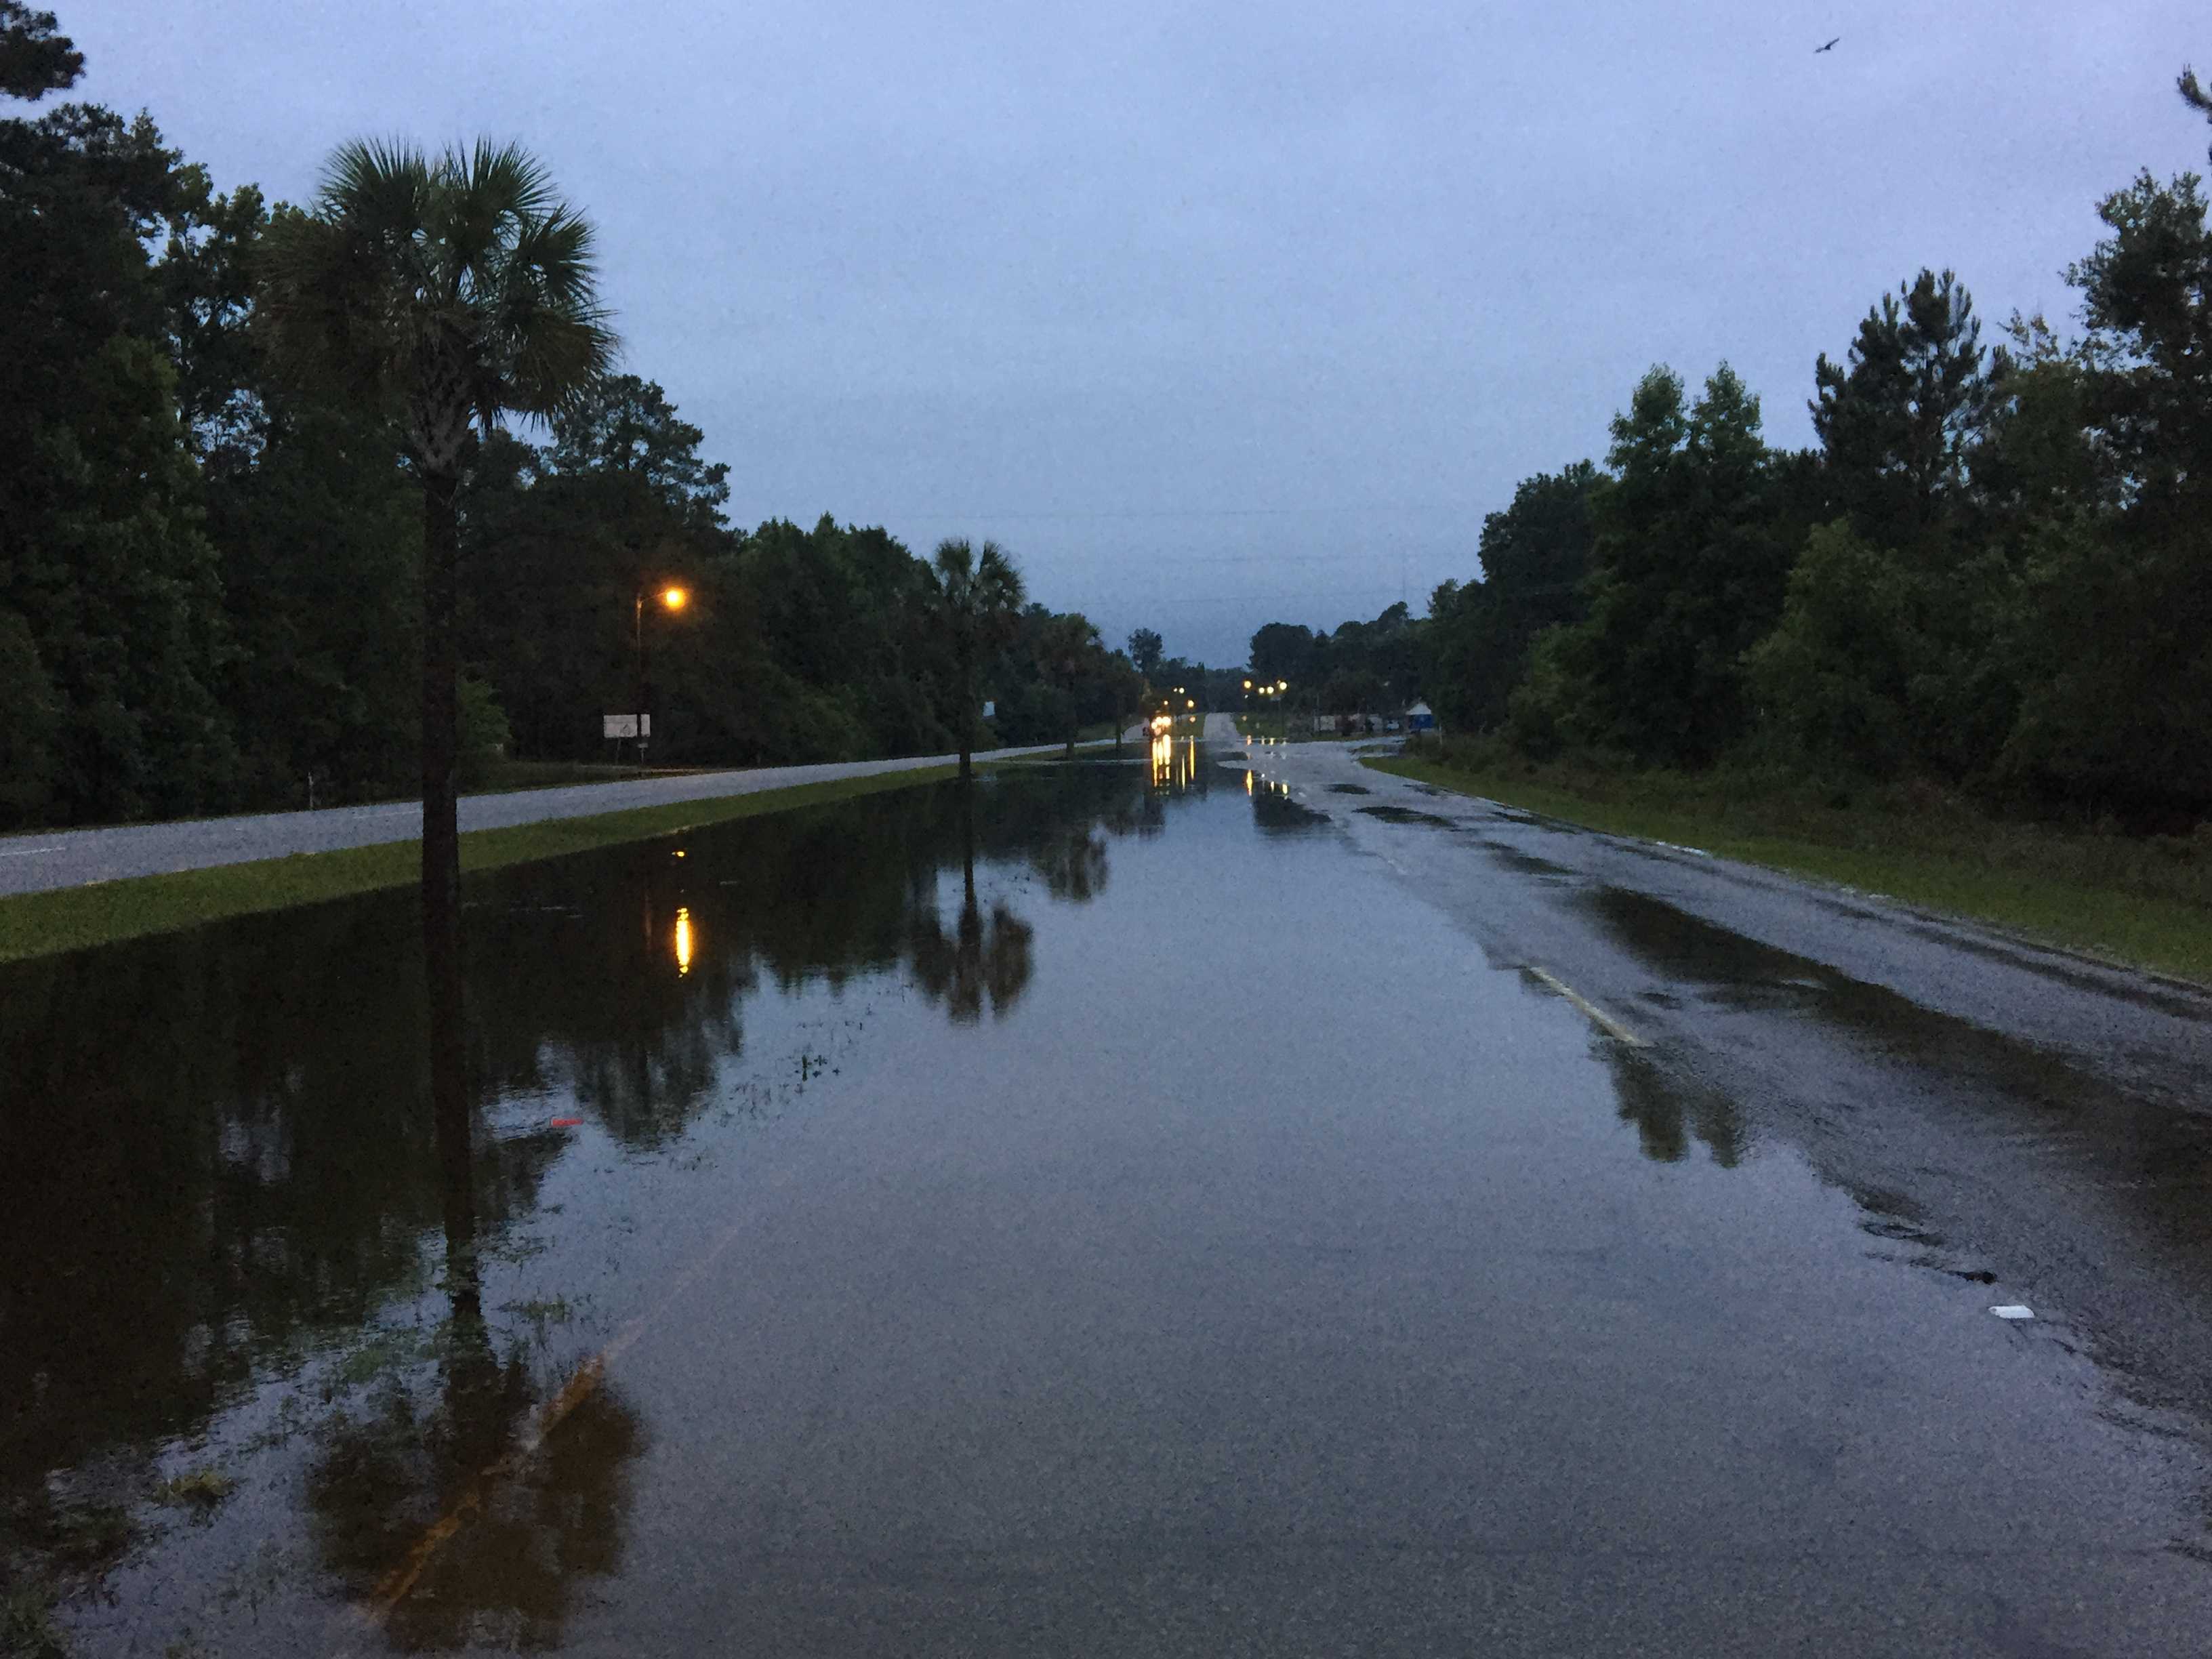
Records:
x=671, y=598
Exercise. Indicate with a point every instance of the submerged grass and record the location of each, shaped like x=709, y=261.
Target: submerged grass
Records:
x=27, y=1630
x=202, y=1489
x=100, y=913
x=2144, y=901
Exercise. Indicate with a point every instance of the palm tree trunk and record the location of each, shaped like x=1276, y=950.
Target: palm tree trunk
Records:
x=967, y=723
x=968, y=848
x=441, y=838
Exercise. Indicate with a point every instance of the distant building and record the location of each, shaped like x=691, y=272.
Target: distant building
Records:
x=1421, y=718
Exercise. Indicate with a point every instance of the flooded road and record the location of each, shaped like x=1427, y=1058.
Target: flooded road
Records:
x=1130, y=1218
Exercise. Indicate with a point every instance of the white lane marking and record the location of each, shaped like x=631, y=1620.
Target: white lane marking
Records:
x=2014, y=1310
x=29, y=852
x=1597, y=1016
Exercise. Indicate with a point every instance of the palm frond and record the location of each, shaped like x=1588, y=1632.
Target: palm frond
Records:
x=418, y=278
x=505, y=174
x=379, y=185
x=557, y=361
x=556, y=252
x=995, y=573
x=953, y=566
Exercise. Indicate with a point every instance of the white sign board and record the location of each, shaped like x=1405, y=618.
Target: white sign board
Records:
x=990, y=710
x=625, y=726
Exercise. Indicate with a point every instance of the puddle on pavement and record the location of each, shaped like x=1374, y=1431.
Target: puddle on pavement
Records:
x=1349, y=789
x=1743, y=973
x=1670, y=1112
x=1405, y=815
x=2004, y=1143
x=1526, y=863
x=886, y=1181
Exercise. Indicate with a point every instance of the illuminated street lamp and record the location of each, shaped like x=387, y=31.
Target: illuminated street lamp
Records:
x=672, y=598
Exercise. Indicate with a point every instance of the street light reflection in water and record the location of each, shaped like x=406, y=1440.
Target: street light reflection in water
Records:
x=882, y=1062
x=1175, y=764
x=435, y=1353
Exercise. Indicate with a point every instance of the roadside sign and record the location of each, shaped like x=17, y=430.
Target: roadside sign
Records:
x=626, y=726
x=990, y=710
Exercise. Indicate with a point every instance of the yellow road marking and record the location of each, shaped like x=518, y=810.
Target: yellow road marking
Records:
x=394, y=1587
x=1597, y=1016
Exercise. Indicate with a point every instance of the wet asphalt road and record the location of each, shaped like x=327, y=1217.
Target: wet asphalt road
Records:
x=71, y=858
x=2018, y=1112
x=1254, y=1225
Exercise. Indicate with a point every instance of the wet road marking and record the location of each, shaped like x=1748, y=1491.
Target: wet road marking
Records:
x=395, y=1586
x=1597, y=1016
x=30, y=852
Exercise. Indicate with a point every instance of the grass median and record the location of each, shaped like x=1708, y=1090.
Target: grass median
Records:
x=1272, y=725
x=2142, y=900
x=101, y=913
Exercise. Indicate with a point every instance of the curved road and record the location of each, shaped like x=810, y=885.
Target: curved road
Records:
x=34, y=864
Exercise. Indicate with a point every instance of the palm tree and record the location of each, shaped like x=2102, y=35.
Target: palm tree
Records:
x=975, y=597
x=441, y=292
x=1067, y=650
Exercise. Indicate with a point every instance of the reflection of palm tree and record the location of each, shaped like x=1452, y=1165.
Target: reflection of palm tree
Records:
x=540, y=1497
x=1073, y=865
x=538, y=1514
x=982, y=962
x=986, y=960
x=1666, y=1113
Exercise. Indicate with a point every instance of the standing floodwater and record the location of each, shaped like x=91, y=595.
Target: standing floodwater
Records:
x=1182, y=1239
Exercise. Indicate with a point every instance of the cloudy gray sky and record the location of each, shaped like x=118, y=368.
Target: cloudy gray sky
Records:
x=1215, y=314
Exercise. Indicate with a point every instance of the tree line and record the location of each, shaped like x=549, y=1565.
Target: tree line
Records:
x=1993, y=568
x=214, y=539
x=1363, y=668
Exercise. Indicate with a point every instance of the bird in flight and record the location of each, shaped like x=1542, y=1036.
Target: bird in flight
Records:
x=1831, y=47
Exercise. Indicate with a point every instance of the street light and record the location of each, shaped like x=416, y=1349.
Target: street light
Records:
x=672, y=599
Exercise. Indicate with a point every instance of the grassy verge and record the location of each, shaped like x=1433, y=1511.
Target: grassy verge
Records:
x=2143, y=901
x=506, y=777
x=1265, y=724
x=71, y=918
x=1270, y=726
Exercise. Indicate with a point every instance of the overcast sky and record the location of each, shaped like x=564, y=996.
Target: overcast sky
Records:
x=1215, y=314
